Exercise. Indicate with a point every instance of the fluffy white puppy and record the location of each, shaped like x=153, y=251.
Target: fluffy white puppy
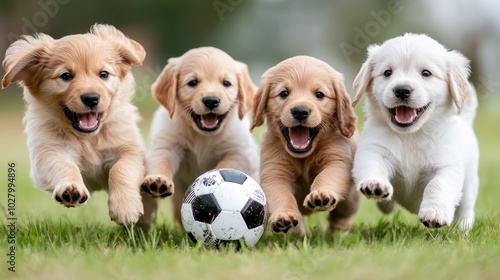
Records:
x=418, y=148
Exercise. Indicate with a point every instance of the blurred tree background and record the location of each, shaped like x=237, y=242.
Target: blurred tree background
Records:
x=263, y=32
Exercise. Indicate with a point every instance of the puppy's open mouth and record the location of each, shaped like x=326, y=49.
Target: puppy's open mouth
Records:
x=208, y=122
x=404, y=116
x=83, y=122
x=299, y=137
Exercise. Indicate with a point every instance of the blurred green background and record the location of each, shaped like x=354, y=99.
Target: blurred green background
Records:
x=260, y=33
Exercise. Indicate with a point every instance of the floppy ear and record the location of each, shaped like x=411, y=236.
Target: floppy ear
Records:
x=164, y=89
x=458, y=74
x=259, y=109
x=131, y=52
x=362, y=81
x=346, y=118
x=246, y=89
x=364, y=77
x=22, y=59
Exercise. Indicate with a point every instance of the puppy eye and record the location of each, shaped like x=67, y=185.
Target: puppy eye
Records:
x=103, y=74
x=426, y=73
x=387, y=72
x=284, y=94
x=226, y=83
x=193, y=83
x=319, y=95
x=66, y=76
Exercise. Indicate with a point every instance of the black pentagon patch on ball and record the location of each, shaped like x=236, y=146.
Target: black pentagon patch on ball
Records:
x=233, y=176
x=253, y=214
x=205, y=208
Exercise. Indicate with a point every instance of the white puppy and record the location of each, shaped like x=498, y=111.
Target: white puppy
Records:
x=418, y=148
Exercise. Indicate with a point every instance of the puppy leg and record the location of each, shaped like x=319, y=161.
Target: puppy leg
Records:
x=53, y=172
x=372, y=172
x=387, y=206
x=245, y=161
x=464, y=214
x=159, y=181
x=150, y=207
x=124, y=202
x=284, y=214
x=440, y=197
x=341, y=217
x=329, y=187
x=178, y=198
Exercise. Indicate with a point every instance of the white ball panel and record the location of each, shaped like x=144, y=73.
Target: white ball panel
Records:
x=187, y=216
x=229, y=226
x=254, y=191
x=207, y=182
x=231, y=196
x=252, y=236
x=203, y=232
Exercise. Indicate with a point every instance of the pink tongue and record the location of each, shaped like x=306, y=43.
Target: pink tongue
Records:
x=209, y=120
x=299, y=137
x=405, y=114
x=87, y=120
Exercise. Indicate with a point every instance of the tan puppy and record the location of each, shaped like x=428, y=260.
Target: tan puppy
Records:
x=202, y=125
x=308, y=149
x=81, y=127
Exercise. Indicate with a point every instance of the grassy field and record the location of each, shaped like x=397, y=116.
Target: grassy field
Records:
x=57, y=243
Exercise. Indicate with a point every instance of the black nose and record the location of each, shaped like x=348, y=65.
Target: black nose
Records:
x=300, y=113
x=211, y=102
x=402, y=92
x=90, y=99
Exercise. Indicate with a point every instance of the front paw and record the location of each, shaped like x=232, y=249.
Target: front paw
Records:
x=321, y=200
x=125, y=210
x=284, y=221
x=71, y=195
x=435, y=217
x=377, y=189
x=157, y=186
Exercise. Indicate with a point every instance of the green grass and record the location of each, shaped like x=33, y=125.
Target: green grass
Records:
x=58, y=243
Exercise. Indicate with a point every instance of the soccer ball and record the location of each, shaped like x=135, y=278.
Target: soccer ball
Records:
x=224, y=205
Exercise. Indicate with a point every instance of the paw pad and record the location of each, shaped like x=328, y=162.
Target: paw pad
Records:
x=320, y=200
x=71, y=197
x=157, y=187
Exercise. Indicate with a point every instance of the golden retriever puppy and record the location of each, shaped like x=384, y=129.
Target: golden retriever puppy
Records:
x=308, y=148
x=80, y=124
x=201, y=124
x=418, y=147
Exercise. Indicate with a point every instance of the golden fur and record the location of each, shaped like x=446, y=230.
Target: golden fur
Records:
x=75, y=147
x=300, y=178
x=184, y=144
